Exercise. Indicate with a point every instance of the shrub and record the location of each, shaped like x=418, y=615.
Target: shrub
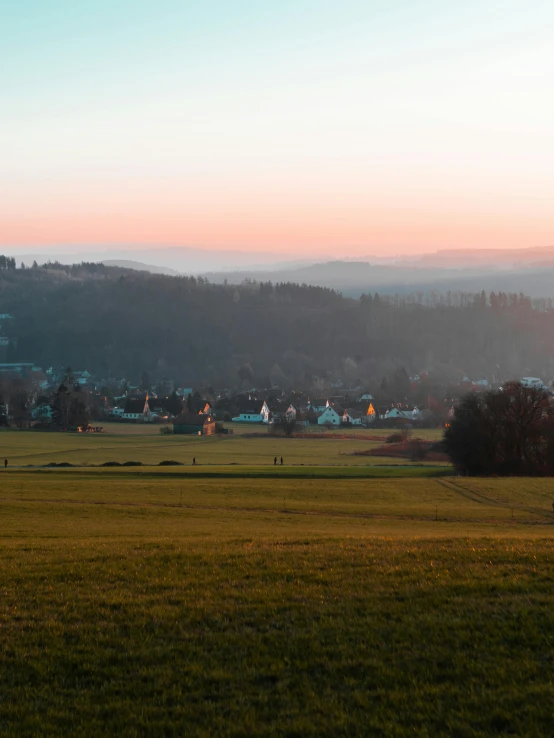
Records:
x=170, y=463
x=417, y=449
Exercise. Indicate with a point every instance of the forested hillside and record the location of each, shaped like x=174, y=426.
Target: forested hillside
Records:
x=118, y=321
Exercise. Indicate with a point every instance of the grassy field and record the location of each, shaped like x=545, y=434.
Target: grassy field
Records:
x=252, y=446
x=50, y=503
x=140, y=603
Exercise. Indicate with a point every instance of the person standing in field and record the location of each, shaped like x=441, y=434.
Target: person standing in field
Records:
x=194, y=461
x=281, y=461
x=275, y=461
x=5, y=463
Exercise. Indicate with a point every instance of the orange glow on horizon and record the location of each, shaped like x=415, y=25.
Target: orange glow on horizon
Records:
x=346, y=233
x=300, y=221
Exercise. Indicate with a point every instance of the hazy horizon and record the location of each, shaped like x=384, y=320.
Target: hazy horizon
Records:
x=345, y=253
x=303, y=128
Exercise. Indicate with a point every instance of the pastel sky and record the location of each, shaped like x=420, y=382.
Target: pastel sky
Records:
x=340, y=127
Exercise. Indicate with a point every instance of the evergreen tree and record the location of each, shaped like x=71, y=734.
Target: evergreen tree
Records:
x=78, y=414
x=60, y=407
x=401, y=383
x=174, y=404
x=69, y=378
x=3, y=413
x=19, y=407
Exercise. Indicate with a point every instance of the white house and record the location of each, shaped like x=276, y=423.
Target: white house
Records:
x=136, y=409
x=42, y=412
x=284, y=411
x=533, y=382
x=252, y=412
x=352, y=417
x=291, y=411
x=395, y=413
x=82, y=377
x=329, y=417
x=481, y=383
x=370, y=415
x=318, y=405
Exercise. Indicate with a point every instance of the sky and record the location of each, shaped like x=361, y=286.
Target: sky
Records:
x=299, y=127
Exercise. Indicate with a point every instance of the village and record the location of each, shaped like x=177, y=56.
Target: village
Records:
x=62, y=399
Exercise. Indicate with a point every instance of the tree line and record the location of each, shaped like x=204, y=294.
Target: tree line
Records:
x=117, y=322
x=7, y=262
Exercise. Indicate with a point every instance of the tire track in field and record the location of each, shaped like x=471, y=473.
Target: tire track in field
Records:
x=266, y=511
x=470, y=493
x=85, y=449
x=216, y=508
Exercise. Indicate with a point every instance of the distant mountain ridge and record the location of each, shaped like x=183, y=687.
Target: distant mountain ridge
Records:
x=355, y=278
x=180, y=259
x=139, y=266
x=493, y=258
x=530, y=270
x=193, y=260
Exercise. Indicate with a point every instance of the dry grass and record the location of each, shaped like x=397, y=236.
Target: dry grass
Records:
x=135, y=603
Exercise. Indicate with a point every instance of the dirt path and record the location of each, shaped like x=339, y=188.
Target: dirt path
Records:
x=466, y=490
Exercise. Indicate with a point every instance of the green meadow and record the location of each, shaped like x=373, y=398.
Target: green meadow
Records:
x=237, y=599
x=248, y=445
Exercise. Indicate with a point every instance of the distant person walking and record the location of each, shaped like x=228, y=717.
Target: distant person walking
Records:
x=194, y=461
x=281, y=461
x=275, y=461
x=5, y=463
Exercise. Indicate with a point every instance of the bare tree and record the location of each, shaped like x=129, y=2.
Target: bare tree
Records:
x=510, y=431
x=283, y=425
